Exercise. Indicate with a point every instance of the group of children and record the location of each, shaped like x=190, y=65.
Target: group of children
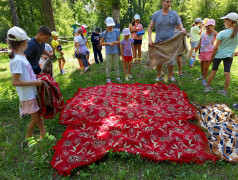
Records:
x=203, y=39
x=24, y=65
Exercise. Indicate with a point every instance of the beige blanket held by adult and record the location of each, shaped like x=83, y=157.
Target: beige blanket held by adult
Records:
x=164, y=52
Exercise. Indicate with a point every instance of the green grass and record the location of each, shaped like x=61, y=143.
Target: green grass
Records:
x=19, y=162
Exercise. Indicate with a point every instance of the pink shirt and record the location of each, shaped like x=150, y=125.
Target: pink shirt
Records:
x=137, y=27
x=207, y=42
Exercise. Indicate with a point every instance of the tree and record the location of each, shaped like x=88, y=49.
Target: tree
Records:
x=48, y=14
x=14, y=13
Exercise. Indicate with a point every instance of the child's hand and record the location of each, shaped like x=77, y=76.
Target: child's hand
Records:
x=38, y=82
x=236, y=53
x=122, y=59
x=61, y=53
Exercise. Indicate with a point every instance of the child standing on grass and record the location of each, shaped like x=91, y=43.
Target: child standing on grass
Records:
x=81, y=48
x=206, y=46
x=126, y=47
x=111, y=39
x=58, y=51
x=227, y=41
x=95, y=39
x=195, y=38
x=76, y=52
x=25, y=81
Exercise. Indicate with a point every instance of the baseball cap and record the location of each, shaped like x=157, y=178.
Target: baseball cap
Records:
x=109, y=21
x=232, y=16
x=126, y=32
x=198, y=20
x=19, y=33
x=211, y=22
x=137, y=16
x=97, y=29
x=53, y=33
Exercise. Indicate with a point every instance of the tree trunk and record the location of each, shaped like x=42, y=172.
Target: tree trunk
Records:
x=48, y=14
x=14, y=13
x=116, y=15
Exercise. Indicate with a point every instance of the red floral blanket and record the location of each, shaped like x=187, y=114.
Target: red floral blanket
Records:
x=50, y=99
x=150, y=120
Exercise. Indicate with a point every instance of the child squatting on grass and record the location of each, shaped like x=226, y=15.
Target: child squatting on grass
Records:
x=111, y=39
x=206, y=46
x=227, y=41
x=126, y=53
x=25, y=81
x=57, y=49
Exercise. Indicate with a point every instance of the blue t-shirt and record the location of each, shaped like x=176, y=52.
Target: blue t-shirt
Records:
x=34, y=52
x=127, y=51
x=111, y=37
x=165, y=24
x=228, y=45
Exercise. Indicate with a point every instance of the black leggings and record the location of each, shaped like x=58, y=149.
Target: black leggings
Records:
x=226, y=61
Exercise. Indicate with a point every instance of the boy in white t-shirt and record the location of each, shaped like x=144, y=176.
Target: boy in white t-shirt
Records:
x=43, y=58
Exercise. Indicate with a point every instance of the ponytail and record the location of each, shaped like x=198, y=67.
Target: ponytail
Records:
x=82, y=36
x=13, y=45
x=235, y=30
x=133, y=23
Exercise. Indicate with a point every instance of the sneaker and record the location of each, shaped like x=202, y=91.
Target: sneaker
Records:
x=130, y=76
x=86, y=69
x=204, y=82
x=62, y=71
x=235, y=106
x=181, y=75
x=223, y=92
x=118, y=80
x=208, y=88
x=30, y=141
x=160, y=78
x=191, y=62
x=172, y=79
x=126, y=78
x=109, y=81
x=48, y=137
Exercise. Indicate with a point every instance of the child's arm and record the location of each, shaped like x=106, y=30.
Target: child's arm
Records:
x=102, y=43
x=236, y=53
x=116, y=42
x=47, y=54
x=77, y=47
x=122, y=53
x=133, y=50
x=198, y=46
x=215, y=49
x=17, y=82
x=88, y=43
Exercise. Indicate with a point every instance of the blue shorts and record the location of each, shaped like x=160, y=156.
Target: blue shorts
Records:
x=194, y=44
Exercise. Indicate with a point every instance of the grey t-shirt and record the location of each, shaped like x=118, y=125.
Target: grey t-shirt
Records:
x=165, y=24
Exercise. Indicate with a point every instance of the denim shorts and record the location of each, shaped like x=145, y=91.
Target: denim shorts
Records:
x=194, y=44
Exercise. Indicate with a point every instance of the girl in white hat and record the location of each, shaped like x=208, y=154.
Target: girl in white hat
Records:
x=127, y=47
x=227, y=41
x=135, y=27
x=111, y=39
x=24, y=79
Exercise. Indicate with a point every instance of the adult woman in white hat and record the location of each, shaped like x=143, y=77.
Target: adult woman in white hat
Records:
x=135, y=27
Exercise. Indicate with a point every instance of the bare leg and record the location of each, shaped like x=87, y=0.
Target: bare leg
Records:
x=211, y=76
x=139, y=51
x=125, y=68
x=159, y=69
x=179, y=64
x=135, y=53
x=190, y=53
x=206, y=69
x=202, y=68
x=171, y=70
x=36, y=119
x=129, y=67
x=63, y=62
x=227, y=80
x=59, y=61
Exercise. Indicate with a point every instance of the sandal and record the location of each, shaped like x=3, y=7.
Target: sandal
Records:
x=48, y=136
x=30, y=142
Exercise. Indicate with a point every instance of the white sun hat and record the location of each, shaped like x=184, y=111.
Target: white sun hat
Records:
x=137, y=16
x=19, y=33
x=232, y=16
x=109, y=21
x=126, y=32
x=198, y=20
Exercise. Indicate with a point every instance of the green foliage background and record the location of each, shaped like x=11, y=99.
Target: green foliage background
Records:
x=94, y=12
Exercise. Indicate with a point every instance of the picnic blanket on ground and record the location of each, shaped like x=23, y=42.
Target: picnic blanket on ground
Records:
x=164, y=52
x=146, y=119
x=222, y=127
x=50, y=99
